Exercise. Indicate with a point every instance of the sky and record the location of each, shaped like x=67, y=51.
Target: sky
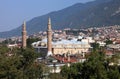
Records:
x=14, y=12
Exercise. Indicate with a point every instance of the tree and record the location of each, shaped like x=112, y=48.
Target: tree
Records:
x=65, y=71
x=30, y=41
x=114, y=73
x=93, y=68
x=95, y=46
x=56, y=76
x=21, y=64
x=108, y=41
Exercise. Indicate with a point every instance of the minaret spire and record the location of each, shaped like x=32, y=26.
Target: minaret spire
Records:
x=24, y=26
x=49, y=38
x=49, y=24
x=24, y=35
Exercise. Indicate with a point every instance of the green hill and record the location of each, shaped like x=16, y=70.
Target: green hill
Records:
x=92, y=14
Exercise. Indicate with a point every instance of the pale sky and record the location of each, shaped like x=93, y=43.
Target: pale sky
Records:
x=14, y=12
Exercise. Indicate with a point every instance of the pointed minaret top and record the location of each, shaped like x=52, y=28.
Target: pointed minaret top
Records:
x=24, y=26
x=49, y=20
x=49, y=23
x=24, y=23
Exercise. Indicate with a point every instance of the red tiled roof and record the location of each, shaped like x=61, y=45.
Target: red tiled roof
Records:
x=108, y=52
x=65, y=59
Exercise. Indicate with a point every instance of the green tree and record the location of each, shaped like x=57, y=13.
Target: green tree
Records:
x=31, y=40
x=93, y=68
x=65, y=71
x=108, y=41
x=114, y=73
x=20, y=65
x=96, y=47
x=56, y=76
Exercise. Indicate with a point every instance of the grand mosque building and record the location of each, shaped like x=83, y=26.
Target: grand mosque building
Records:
x=64, y=46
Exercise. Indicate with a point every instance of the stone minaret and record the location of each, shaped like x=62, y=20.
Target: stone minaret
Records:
x=49, y=38
x=24, y=35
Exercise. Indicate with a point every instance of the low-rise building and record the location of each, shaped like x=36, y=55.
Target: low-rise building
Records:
x=64, y=46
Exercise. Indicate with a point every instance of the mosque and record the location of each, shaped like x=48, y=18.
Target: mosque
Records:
x=62, y=52
x=64, y=46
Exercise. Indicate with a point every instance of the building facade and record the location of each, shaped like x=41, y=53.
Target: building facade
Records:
x=63, y=46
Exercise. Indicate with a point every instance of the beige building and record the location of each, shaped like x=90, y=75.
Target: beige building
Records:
x=64, y=46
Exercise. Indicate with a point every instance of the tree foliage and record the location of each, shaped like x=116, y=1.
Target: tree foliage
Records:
x=20, y=64
x=108, y=41
x=95, y=67
x=31, y=40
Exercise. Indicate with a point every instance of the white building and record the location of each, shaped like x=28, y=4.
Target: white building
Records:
x=64, y=46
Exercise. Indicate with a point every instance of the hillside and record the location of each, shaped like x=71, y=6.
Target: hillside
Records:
x=92, y=14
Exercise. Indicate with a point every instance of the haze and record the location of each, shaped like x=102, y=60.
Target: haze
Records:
x=14, y=12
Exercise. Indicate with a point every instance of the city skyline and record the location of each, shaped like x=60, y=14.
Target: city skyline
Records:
x=13, y=13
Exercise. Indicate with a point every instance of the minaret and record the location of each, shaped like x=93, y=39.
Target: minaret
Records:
x=24, y=33
x=49, y=38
